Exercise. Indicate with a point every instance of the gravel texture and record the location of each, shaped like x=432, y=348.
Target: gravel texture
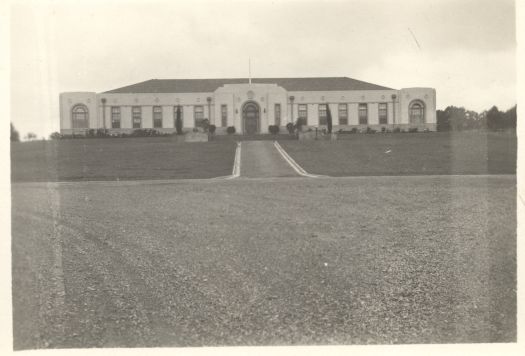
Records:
x=265, y=262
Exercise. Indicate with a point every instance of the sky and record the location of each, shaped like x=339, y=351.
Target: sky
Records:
x=465, y=49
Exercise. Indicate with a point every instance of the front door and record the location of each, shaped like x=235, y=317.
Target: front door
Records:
x=250, y=115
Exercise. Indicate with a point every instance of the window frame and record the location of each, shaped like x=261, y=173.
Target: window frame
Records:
x=135, y=116
x=197, y=121
x=323, y=119
x=277, y=114
x=383, y=119
x=224, y=115
x=421, y=119
x=157, y=116
x=74, y=116
x=116, y=117
x=363, y=119
x=305, y=111
x=343, y=119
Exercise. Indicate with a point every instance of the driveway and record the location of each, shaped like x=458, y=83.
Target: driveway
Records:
x=260, y=159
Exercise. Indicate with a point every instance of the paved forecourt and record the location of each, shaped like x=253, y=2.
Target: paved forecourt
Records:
x=261, y=159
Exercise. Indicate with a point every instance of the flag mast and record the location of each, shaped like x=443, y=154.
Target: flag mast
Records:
x=249, y=71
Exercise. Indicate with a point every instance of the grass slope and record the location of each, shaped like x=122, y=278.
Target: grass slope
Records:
x=119, y=159
x=408, y=154
x=265, y=262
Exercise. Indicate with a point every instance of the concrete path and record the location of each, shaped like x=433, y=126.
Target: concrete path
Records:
x=260, y=159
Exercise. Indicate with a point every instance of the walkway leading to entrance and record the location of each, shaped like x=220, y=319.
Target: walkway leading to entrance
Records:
x=260, y=159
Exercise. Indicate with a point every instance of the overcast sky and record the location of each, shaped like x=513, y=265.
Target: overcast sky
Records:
x=464, y=48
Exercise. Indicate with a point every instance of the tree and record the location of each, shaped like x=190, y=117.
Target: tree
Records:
x=328, y=119
x=443, y=123
x=456, y=117
x=30, y=136
x=495, y=119
x=15, y=136
x=510, y=118
x=178, y=121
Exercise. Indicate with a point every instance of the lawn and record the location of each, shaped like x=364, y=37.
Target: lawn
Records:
x=408, y=154
x=119, y=159
x=265, y=262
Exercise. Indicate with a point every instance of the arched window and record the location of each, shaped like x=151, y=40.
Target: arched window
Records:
x=80, y=117
x=416, y=111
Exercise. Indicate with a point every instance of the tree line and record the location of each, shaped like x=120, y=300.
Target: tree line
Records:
x=458, y=118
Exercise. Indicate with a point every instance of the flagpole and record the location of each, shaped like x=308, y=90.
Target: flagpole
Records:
x=249, y=71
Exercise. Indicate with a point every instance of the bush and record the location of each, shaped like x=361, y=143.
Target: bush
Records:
x=274, y=129
x=397, y=130
x=101, y=133
x=413, y=129
x=301, y=121
x=230, y=130
x=55, y=136
x=290, y=128
x=353, y=130
x=370, y=130
x=205, y=125
x=383, y=129
x=212, y=129
x=145, y=133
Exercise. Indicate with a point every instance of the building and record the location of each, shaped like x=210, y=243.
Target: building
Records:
x=251, y=106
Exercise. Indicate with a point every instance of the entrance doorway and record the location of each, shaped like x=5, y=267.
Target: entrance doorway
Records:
x=250, y=118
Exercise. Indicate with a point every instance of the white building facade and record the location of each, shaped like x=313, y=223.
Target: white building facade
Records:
x=251, y=106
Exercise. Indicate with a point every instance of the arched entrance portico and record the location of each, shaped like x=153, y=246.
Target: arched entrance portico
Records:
x=251, y=118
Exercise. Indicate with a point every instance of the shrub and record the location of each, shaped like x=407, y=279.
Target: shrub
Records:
x=55, y=136
x=290, y=128
x=212, y=129
x=413, y=129
x=353, y=130
x=143, y=133
x=383, y=129
x=178, y=121
x=205, y=125
x=274, y=129
x=370, y=130
x=230, y=130
x=397, y=130
x=101, y=133
x=301, y=121
x=195, y=129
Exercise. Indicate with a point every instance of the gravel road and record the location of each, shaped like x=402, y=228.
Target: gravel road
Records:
x=265, y=262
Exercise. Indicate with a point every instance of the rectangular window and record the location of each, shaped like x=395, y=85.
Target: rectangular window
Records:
x=383, y=113
x=278, y=114
x=136, y=117
x=157, y=116
x=198, y=115
x=343, y=114
x=224, y=115
x=115, y=117
x=363, y=114
x=322, y=114
x=175, y=115
x=303, y=112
